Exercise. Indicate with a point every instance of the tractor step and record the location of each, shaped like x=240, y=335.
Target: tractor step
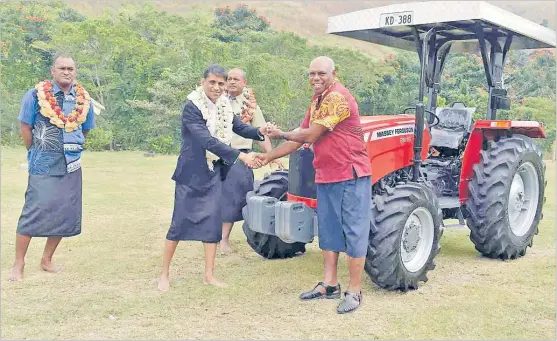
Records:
x=449, y=202
x=453, y=202
x=455, y=226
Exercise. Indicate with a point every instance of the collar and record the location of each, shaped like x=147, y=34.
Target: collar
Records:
x=56, y=89
x=210, y=104
x=233, y=98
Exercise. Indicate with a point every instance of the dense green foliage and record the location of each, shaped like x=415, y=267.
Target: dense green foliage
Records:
x=140, y=64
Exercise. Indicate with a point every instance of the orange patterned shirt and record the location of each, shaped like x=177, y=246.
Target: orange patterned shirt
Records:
x=333, y=110
x=340, y=152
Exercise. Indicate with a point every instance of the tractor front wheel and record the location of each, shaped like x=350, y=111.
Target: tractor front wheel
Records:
x=506, y=197
x=273, y=185
x=404, y=237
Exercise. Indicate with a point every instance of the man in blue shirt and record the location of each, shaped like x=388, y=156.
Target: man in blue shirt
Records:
x=55, y=118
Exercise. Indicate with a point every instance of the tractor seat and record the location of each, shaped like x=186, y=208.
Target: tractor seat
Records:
x=455, y=124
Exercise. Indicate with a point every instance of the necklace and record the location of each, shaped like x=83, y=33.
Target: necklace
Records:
x=49, y=107
x=219, y=125
x=248, y=105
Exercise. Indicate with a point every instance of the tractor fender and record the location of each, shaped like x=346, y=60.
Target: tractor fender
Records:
x=531, y=129
x=487, y=130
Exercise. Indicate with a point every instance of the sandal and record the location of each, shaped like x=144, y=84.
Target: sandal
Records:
x=350, y=302
x=330, y=292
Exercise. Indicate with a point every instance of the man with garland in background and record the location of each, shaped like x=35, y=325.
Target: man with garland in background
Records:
x=55, y=118
x=240, y=178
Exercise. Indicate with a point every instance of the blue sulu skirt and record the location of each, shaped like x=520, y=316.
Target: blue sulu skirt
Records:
x=53, y=206
x=196, y=213
x=238, y=182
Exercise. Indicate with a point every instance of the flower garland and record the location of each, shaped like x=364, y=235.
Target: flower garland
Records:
x=49, y=107
x=248, y=105
x=219, y=125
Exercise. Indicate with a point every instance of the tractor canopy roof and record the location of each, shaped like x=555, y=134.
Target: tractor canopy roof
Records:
x=396, y=25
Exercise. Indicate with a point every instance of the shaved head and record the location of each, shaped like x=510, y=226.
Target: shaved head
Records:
x=324, y=62
x=321, y=74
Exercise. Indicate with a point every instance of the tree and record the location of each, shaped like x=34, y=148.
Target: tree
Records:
x=536, y=109
x=141, y=63
x=232, y=24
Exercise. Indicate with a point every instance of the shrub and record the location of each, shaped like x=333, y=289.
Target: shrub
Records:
x=163, y=145
x=98, y=139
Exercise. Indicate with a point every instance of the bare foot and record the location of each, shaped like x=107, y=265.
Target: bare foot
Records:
x=17, y=273
x=164, y=284
x=214, y=281
x=225, y=247
x=48, y=266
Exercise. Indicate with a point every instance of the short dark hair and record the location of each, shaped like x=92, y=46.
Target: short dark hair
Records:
x=215, y=69
x=62, y=55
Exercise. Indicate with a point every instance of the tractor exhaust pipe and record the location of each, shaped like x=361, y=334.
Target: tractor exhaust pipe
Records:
x=419, y=125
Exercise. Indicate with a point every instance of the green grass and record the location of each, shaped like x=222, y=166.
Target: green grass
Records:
x=107, y=290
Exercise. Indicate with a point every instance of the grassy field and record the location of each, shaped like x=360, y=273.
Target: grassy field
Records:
x=107, y=290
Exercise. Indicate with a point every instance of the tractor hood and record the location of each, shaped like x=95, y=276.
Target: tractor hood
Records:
x=389, y=142
x=383, y=121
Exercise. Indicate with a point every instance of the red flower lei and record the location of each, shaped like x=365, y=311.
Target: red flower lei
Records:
x=49, y=107
x=248, y=105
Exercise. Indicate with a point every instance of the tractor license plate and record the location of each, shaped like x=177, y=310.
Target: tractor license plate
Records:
x=396, y=19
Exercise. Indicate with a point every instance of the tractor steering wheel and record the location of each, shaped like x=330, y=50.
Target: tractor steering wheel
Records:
x=435, y=117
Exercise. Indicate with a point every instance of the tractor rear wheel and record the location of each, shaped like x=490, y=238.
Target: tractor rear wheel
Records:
x=404, y=237
x=506, y=197
x=272, y=185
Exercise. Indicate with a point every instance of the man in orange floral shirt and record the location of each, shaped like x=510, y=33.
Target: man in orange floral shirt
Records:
x=342, y=177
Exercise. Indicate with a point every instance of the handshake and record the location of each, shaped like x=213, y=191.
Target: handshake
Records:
x=271, y=130
x=258, y=160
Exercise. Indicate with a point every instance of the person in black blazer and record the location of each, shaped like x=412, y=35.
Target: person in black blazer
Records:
x=205, y=157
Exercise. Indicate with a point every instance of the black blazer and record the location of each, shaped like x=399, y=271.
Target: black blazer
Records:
x=191, y=168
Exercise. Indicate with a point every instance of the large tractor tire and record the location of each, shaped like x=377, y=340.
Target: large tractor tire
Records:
x=506, y=197
x=404, y=237
x=273, y=185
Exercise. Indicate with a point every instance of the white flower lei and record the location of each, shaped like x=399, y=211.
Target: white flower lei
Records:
x=220, y=126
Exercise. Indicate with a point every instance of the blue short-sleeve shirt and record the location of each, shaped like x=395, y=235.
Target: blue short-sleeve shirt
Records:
x=48, y=139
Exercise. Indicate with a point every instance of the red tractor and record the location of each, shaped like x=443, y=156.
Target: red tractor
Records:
x=434, y=164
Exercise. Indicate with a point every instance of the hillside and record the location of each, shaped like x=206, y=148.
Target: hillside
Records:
x=141, y=62
x=309, y=18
